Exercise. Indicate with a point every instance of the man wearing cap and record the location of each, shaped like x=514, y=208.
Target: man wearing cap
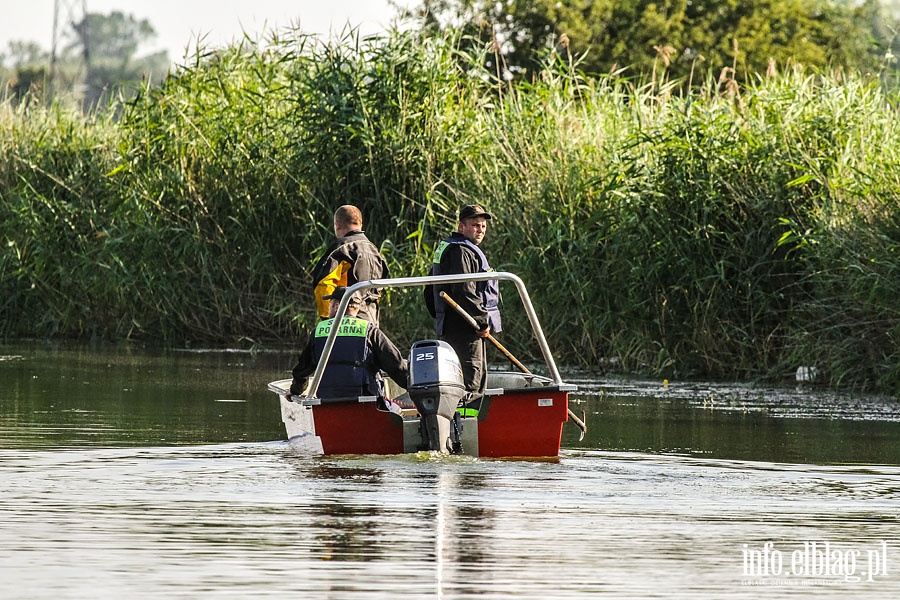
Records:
x=351, y=258
x=456, y=255
x=361, y=350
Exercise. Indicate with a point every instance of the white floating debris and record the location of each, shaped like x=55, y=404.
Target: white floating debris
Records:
x=806, y=373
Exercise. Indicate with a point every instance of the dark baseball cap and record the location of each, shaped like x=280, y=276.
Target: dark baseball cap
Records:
x=470, y=211
x=338, y=294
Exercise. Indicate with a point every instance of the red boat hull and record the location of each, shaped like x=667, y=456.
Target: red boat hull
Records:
x=522, y=423
x=358, y=428
x=515, y=423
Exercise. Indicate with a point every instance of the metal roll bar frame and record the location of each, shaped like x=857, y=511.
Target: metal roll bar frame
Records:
x=401, y=282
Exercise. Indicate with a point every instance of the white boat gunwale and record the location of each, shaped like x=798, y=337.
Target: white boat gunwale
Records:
x=282, y=388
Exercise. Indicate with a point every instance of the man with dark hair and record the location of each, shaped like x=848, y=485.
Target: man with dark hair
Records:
x=361, y=350
x=455, y=255
x=351, y=258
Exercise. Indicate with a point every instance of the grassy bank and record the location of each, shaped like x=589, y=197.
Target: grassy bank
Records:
x=735, y=233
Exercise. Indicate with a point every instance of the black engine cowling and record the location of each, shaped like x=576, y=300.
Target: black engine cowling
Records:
x=436, y=388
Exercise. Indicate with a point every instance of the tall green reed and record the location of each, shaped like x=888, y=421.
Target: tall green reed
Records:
x=53, y=199
x=732, y=232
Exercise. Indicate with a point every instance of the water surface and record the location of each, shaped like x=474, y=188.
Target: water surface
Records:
x=129, y=472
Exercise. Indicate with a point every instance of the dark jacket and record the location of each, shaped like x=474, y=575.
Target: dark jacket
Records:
x=349, y=260
x=360, y=351
x=457, y=255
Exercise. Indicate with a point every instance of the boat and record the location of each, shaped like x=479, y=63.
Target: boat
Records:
x=521, y=414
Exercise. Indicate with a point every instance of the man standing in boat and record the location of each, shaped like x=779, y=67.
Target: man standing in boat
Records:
x=351, y=258
x=459, y=254
x=361, y=350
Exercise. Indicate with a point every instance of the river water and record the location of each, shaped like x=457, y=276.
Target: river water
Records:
x=139, y=473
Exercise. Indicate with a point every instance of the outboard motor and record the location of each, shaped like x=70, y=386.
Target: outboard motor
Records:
x=436, y=387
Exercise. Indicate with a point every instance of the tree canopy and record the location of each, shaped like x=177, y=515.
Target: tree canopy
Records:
x=680, y=36
x=99, y=57
x=110, y=44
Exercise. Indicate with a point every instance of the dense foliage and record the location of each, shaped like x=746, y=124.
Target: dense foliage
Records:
x=712, y=35
x=736, y=231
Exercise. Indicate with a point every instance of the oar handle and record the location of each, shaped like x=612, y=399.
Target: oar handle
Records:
x=471, y=320
x=475, y=326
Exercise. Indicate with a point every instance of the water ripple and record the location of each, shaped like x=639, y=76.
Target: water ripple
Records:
x=238, y=519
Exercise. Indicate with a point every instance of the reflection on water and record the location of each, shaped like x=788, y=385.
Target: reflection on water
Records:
x=130, y=473
x=59, y=396
x=738, y=422
x=259, y=519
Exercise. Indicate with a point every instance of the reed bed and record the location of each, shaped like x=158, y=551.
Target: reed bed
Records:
x=727, y=233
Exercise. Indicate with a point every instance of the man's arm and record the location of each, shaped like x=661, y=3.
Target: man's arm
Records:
x=462, y=260
x=306, y=366
x=367, y=261
x=388, y=357
x=428, y=295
